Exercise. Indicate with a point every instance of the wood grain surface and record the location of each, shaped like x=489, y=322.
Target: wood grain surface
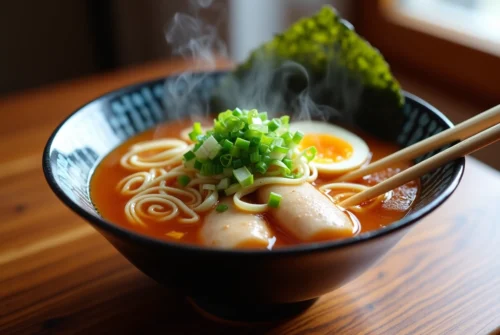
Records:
x=57, y=275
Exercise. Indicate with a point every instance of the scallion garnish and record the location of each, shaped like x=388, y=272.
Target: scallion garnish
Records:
x=223, y=184
x=221, y=208
x=198, y=164
x=297, y=137
x=274, y=200
x=225, y=160
x=189, y=155
x=197, y=130
x=243, y=176
x=243, y=143
x=232, y=189
x=183, y=180
x=310, y=153
x=261, y=167
x=227, y=145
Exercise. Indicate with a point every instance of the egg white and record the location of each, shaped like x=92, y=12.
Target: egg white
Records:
x=360, y=154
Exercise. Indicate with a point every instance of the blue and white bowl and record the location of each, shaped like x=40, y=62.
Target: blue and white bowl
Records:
x=232, y=284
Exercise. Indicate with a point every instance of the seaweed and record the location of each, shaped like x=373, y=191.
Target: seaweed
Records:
x=319, y=61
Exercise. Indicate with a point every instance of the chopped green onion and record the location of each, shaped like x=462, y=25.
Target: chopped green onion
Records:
x=209, y=149
x=239, y=133
x=261, y=167
x=198, y=165
x=197, y=130
x=243, y=176
x=224, y=115
x=192, y=136
x=197, y=146
x=183, y=180
x=266, y=140
x=254, y=157
x=277, y=142
x=310, y=153
x=227, y=145
x=226, y=160
x=287, y=137
x=189, y=155
x=254, y=142
x=252, y=114
x=233, y=123
x=287, y=162
x=223, y=184
x=235, y=152
x=207, y=169
x=297, y=137
x=261, y=128
x=264, y=148
x=277, y=155
x=256, y=121
x=237, y=163
x=232, y=189
x=285, y=169
x=242, y=144
x=281, y=150
x=285, y=119
x=274, y=124
x=274, y=200
x=218, y=169
x=250, y=133
x=221, y=208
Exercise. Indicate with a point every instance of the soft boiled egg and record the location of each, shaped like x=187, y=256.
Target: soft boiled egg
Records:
x=338, y=150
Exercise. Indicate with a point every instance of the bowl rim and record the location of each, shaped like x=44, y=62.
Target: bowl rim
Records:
x=324, y=246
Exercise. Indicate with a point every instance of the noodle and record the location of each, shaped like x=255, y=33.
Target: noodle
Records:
x=134, y=210
x=168, y=152
x=259, y=182
x=153, y=199
x=146, y=179
x=356, y=188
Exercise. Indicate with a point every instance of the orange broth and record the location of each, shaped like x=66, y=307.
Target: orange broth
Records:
x=110, y=203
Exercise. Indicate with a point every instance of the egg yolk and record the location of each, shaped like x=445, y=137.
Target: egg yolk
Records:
x=330, y=148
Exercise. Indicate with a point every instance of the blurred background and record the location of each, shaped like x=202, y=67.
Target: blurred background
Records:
x=445, y=51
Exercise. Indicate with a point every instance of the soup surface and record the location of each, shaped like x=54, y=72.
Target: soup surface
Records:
x=110, y=203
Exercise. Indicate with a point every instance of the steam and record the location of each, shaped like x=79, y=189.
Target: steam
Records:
x=194, y=40
x=287, y=89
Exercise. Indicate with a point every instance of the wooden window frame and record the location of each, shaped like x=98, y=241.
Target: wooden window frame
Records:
x=428, y=55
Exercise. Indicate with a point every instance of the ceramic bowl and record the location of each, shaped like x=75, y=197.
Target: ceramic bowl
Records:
x=235, y=285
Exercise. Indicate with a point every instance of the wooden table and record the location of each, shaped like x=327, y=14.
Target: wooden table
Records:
x=57, y=275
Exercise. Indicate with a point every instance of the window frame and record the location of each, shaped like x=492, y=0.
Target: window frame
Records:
x=428, y=55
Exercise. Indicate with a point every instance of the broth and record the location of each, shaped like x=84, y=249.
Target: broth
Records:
x=110, y=203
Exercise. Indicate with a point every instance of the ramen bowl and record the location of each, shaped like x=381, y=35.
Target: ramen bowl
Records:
x=238, y=285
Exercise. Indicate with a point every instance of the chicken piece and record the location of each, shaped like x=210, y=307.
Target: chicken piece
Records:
x=235, y=229
x=308, y=214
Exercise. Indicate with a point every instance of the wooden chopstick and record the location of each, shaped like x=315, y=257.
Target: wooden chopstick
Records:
x=462, y=131
x=460, y=149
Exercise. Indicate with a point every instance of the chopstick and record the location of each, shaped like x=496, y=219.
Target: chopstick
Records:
x=460, y=149
x=462, y=131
